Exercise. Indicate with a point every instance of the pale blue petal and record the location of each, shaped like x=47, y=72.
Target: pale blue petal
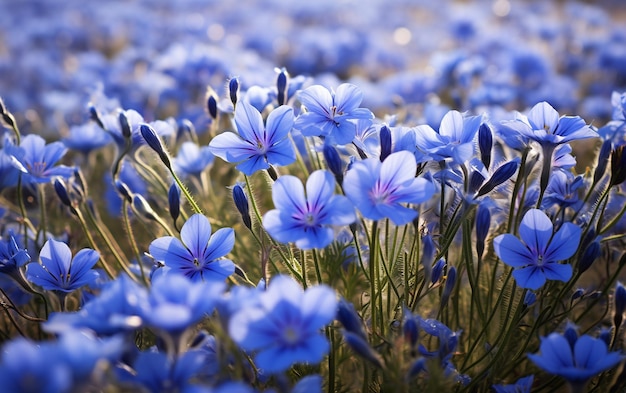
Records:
x=231, y=148
x=536, y=231
x=288, y=194
x=320, y=187
x=317, y=99
x=512, y=252
x=452, y=126
x=249, y=122
x=339, y=211
x=56, y=257
x=348, y=97
x=220, y=244
x=557, y=271
x=253, y=164
x=83, y=261
x=195, y=234
x=564, y=243
x=279, y=123
x=542, y=116
x=398, y=168
x=281, y=153
x=319, y=307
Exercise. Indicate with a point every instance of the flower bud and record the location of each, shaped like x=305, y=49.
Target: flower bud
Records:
x=428, y=256
x=618, y=166
x=362, y=348
x=281, y=86
x=211, y=103
x=591, y=253
x=95, y=116
x=502, y=174
x=437, y=270
x=410, y=329
x=605, y=335
x=417, y=367
x=385, y=142
x=124, y=125
x=530, y=298
x=143, y=208
x=241, y=203
x=333, y=161
x=124, y=191
x=485, y=144
x=578, y=293
x=571, y=334
x=233, y=90
x=349, y=318
x=173, y=198
x=61, y=189
x=153, y=140
x=603, y=161
x=483, y=221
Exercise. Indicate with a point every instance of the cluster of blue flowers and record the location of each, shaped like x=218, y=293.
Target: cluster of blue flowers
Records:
x=293, y=233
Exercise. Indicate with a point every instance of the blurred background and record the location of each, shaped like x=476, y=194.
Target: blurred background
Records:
x=159, y=56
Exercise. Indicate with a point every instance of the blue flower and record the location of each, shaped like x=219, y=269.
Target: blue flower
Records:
x=176, y=303
x=332, y=114
x=536, y=258
x=454, y=141
x=118, y=308
x=577, y=359
x=257, y=146
x=59, y=272
x=198, y=255
x=307, y=219
x=378, y=189
x=11, y=256
x=192, y=160
x=86, y=137
x=544, y=126
x=284, y=327
x=40, y=159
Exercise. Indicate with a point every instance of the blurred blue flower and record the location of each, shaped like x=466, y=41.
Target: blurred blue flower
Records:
x=257, y=146
x=58, y=271
x=284, y=327
x=11, y=256
x=176, y=302
x=29, y=367
x=86, y=137
x=117, y=309
x=40, y=159
x=331, y=114
x=576, y=359
x=198, y=255
x=192, y=159
x=307, y=219
x=536, y=257
x=378, y=189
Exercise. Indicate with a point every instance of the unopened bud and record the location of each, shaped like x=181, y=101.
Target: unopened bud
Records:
x=211, y=103
x=603, y=161
x=437, y=270
x=124, y=125
x=61, y=189
x=485, y=144
x=591, y=253
x=502, y=174
x=348, y=317
x=333, y=161
x=620, y=305
x=362, y=348
x=143, y=208
x=449, y=286
x=124, y=191
x=281, y=86
x=153, y=140
x=233, y=90
x=483, y=222
x=241, y=203
x=385, y=142
x=173, y=198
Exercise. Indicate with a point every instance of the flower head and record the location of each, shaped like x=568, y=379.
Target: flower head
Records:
x=307, y=219
x=284, y=326
x=58, y=271
x=544, y=126
x=198, y=254
x=191, y=159
x=577, y=359
x=536, y=257
x=331, y=114
x=40, y=159
x=378, y=189
x=257, y=145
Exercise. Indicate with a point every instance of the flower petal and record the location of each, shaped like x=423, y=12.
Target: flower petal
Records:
x=249, y=122
x=564, y=243
x=536, y=231
x=512, y=252
x=531, y=277
x=220, y=244
x=195, y=234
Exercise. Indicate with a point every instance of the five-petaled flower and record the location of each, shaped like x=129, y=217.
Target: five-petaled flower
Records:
x=332, y=114
x=257, y=146
x=307, y=219
x=378, y=189
x=283, y=327
x=536, y=259
x=59, y=272
x=198, y=255
x=576, y=359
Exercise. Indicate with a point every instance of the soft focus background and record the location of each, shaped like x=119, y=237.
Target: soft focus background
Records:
x=158, y=57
